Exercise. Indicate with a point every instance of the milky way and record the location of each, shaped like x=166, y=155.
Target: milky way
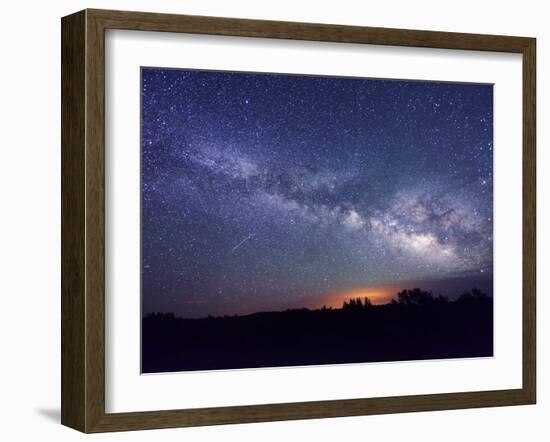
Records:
x=263, y=191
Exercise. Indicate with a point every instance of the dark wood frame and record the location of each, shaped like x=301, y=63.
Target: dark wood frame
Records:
x=83, y=216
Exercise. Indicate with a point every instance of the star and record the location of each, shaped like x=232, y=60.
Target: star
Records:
x=360, y=182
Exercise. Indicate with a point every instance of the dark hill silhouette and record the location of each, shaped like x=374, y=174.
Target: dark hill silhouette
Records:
x=415, y=326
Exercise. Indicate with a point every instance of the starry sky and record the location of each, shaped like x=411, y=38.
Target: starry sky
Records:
x=272, y=191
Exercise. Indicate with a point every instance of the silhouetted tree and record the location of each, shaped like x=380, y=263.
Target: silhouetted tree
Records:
x=416, y=324
x=474, y=295
x=415, y=297
x=354, y=304
x=160, y=316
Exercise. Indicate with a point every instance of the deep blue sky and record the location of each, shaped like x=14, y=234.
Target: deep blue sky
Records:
x=263, y=191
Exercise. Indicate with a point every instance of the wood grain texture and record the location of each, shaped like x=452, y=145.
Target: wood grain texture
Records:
x=83, y=219
x=529, y=221
x=73, y=349
x=145, y=21
x=95, y=222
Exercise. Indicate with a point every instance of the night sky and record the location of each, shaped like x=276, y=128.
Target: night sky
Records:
x=267, y=192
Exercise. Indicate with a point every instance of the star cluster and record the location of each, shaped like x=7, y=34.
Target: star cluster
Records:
x=264, y=191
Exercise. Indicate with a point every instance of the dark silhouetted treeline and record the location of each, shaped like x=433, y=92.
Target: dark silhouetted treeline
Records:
x=416, y=325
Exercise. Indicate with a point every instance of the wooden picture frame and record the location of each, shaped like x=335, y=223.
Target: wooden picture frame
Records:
x=83, y=220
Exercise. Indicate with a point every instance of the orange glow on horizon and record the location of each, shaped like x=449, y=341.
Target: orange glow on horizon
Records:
x=378, y=294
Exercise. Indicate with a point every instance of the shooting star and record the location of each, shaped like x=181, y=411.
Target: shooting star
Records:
x=245, y=239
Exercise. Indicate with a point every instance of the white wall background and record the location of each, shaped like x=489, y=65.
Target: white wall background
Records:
x=30, y=218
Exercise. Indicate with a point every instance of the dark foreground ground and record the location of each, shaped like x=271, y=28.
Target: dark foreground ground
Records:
x=416, y=327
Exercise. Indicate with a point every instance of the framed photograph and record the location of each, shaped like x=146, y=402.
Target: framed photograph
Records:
x=269, y=220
